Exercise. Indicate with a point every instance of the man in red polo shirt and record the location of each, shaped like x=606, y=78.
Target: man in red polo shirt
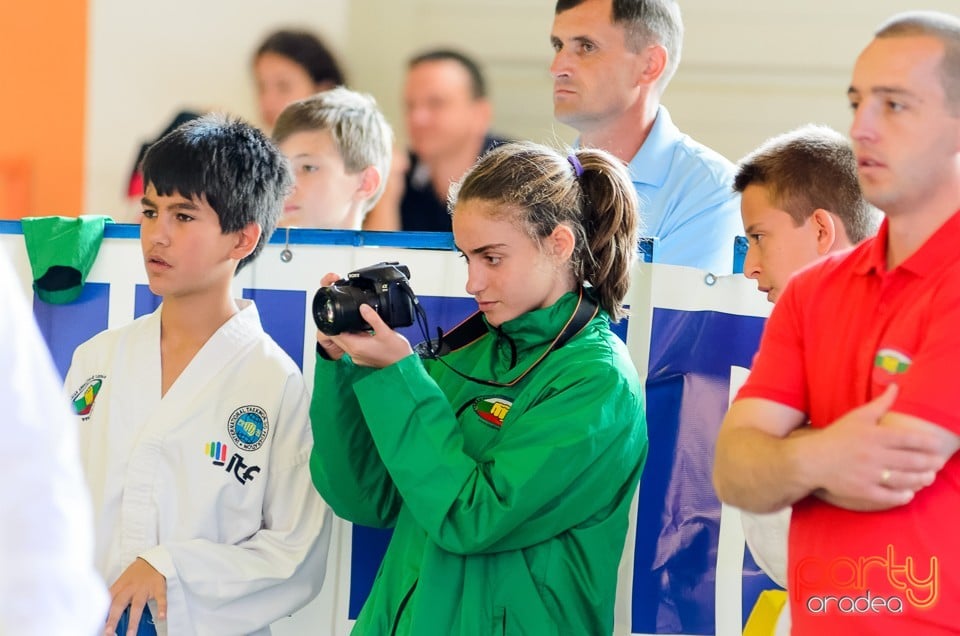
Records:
x=852, y=410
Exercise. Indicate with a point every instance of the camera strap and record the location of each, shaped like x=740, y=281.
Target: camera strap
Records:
x=474, y=328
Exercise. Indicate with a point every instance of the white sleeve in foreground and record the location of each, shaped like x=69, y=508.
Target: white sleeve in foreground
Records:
x=48, y=584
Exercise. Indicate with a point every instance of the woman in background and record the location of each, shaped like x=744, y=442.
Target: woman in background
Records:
x=290, y=65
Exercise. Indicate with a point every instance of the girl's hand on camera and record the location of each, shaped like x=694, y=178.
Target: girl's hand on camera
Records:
x=377, y=349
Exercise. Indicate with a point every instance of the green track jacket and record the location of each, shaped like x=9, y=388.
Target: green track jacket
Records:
x=509, y=505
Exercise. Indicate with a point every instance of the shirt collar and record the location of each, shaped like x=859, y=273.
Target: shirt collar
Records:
x=940, y=248
x=651, y=164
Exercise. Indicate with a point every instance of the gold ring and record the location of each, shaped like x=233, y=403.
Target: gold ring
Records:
x=885, y=477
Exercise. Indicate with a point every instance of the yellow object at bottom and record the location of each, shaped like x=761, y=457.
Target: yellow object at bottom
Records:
x=763, y=618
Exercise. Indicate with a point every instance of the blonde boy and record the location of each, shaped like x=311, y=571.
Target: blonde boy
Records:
x=339, y=147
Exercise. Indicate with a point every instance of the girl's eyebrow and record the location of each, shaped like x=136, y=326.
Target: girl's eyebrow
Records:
x=483, y=248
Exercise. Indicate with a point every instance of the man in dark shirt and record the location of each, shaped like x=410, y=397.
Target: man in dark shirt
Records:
x=447, y=116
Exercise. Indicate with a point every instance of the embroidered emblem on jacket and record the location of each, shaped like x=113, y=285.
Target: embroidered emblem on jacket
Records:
x=86, y=395
x=492, y=410
x=892, y=361
x=238, y=465
x=248, y=427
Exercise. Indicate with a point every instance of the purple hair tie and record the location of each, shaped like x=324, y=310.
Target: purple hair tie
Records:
x=577, y=166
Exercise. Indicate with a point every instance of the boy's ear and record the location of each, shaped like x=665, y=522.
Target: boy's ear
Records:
x=247, y=238
x=369, y=182
x=826, y=230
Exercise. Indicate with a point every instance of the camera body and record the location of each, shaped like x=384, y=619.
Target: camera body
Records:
x=336, y=309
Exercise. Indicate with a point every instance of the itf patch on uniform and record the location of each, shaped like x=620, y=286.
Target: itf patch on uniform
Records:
x=86, y=395
x=492, y=409
x=248, y=427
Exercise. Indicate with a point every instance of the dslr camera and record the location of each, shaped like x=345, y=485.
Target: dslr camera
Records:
x=384, y=286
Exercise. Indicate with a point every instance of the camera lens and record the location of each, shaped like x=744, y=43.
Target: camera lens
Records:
x=328, y=311
x=336, y=309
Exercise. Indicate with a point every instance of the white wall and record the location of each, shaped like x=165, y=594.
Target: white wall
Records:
x=749, y=69
x=150, y=59
x=510, y=39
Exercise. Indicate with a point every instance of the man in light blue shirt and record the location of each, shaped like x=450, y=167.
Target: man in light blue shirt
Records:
x=614, y=59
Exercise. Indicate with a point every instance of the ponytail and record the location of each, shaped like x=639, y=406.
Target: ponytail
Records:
x=610, y=221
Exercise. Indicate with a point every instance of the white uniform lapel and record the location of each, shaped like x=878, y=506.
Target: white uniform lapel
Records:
x=138, y=508
x=229, y=342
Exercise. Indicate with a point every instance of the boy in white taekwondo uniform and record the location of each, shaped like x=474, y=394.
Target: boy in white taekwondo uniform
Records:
x=194, y=423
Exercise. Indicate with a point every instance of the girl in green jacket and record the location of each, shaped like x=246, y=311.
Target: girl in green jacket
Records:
x=506, y=466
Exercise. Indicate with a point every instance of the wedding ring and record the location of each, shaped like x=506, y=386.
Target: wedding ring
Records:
x=885, y=477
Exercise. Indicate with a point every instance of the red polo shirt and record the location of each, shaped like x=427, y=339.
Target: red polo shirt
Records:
x=845, y=329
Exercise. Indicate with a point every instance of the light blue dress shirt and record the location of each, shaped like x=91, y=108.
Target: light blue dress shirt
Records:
x=686, y=199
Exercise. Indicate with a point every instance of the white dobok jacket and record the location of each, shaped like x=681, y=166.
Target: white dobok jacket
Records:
x=210, y=483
